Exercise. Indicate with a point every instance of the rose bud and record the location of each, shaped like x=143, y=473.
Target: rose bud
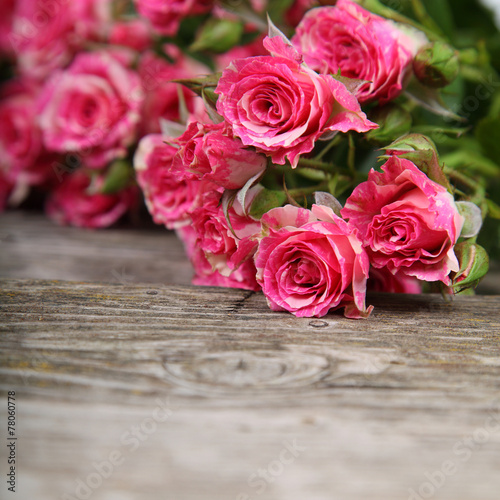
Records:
x=474, y=263
x=436, y=64
x=393, y=121
x=473, y=219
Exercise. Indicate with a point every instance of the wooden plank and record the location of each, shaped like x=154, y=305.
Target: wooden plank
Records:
x=205, y=393
x=32, y=247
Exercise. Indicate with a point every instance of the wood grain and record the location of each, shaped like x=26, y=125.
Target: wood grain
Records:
x=206, y=394
x=32, y=247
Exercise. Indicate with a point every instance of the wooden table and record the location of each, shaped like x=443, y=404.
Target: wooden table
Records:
x=131, y=384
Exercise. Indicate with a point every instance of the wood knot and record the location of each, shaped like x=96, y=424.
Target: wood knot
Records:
x=240, y=372
x=318, y=323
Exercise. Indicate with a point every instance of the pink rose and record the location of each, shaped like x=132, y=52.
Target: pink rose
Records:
x=6, y=19
x=252, y=49
x=206, y=275
x=166, y=15
x=226, y=246
x=161, y=94
x=361, y=45
x=297, y=10
x=311, y=261
x=47, y=33
x=382, y=280
x=92, y=108
x=20, y=138
x=23, y=160
x=282, y=107
x=210, y=152
x=169, y=198
x=77, y=202
x=6, y=188
x=407, y=222
x=134, y=34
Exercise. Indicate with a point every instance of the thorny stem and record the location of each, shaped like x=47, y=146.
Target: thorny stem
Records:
x=464, y=179
x=378, y=8
x=307, y=190
x=330, y=145
x=321, y=165
x=351, y=156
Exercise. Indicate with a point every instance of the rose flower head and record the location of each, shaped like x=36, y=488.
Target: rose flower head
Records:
x=361, y=45
x=407, y=222
x=282, y=107
x=311, y=261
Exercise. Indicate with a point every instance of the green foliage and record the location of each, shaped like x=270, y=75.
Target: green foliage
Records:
x=120, y=174
x=265, y=200
x=474, y=264
x=218, y=35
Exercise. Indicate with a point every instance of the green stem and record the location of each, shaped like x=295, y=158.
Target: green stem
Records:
x=424, y=18
x=475, y=186
x=377, y=8
x=307, y=190
x=351, y=156
x=314, y=163
x=330, y=145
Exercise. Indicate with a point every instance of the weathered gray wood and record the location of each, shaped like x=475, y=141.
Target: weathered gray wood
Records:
x=373, y=408
x=32, y=247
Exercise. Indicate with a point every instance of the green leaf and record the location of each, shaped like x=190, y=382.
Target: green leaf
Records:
x=277, y=8
x=242, y=193
x=352, y=84
x=311, y=174
x=472, y=161
x=265, y=201
x=420, y=150
x=218, y=35
x=431, y=100
x=493, y=209
x=474, y=264
x=201, y=84
x=488, y=135
x=442, y=14
x=393, y=120
x=118, y=177
x=435, y=130
x=377, y=7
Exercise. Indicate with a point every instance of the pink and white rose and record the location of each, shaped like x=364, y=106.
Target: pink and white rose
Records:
x=161, y=93
x=78, y=202
x=407, y=222
x=226, y=246
x=6, y=20
x=46, y=34
x=170, y=198
x=210, y=152
x=166, y=15
x=361, y=45
x=296, y=11
x=20, y=137
x=92, y=108
x=206, y=275
x=255, y=48
x=382, y=280
x=311, y=261
x=282, y=107
x=135, y=34
x=24, y=162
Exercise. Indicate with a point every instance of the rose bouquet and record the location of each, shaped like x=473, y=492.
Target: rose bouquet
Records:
x=354, y=148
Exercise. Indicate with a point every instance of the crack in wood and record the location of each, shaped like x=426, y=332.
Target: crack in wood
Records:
x=238, y=305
